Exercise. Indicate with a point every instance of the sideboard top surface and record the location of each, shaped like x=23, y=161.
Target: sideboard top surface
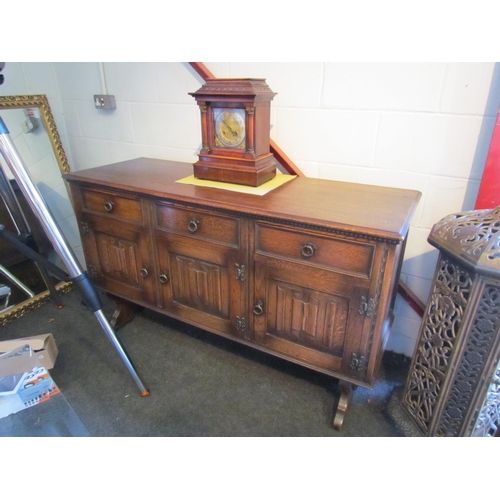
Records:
x=375, y=211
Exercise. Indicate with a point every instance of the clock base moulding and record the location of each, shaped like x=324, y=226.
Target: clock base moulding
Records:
x=246, y=172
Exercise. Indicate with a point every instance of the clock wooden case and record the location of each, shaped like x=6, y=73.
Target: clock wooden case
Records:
x=235, y=131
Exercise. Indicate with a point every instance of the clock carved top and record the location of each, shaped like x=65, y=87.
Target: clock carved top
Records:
x=249, y=88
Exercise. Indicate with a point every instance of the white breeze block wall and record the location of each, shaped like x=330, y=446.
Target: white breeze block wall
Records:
x=424, y=126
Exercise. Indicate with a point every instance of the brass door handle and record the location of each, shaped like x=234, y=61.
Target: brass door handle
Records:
x=308, y=250
x=144, y=272
x=109, y=205
x=193, y=225
x=258, y=309
x=163, y=278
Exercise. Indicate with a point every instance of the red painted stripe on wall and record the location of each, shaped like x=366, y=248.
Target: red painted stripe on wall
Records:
x=489, y=191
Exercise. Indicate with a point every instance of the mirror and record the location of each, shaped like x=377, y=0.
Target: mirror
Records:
x=33, y=130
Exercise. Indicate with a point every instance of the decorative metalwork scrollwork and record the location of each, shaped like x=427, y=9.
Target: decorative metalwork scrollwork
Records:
x=240, y=272
x=470, y=369
x=475, y=232
x=488, y=422
x=241, y=324
x=92, y=270
x=85, y=228
x=366, y=307
x=358, y=363
x=437, y=340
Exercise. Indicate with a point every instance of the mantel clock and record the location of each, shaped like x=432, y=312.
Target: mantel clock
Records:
x=235, y=131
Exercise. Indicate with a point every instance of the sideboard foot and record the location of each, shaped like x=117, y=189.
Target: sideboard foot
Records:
x=343, y=405
x=124, y=313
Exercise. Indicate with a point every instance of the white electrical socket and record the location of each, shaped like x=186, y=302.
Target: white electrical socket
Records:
x=104, y=101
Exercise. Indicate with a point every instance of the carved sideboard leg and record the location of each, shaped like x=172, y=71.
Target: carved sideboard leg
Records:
x=344, y=402
x=124, y=313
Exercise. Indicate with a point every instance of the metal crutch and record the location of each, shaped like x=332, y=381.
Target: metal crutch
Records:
x=55, y=235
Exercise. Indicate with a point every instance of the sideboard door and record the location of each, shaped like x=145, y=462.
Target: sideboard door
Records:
x=199, y=284
x=311, y=317
x=119, y=257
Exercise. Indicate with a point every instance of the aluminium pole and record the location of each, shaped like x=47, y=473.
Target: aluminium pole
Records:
x=58, y=240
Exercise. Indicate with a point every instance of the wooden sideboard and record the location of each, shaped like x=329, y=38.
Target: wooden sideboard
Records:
x=307, y=272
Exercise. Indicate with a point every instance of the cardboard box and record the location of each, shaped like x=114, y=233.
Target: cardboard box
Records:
x=23, y=391
x=22, y=355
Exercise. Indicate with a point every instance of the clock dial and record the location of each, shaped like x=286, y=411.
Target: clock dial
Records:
x=229, y=125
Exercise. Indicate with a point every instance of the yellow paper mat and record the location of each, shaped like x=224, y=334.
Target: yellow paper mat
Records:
x=279, y=180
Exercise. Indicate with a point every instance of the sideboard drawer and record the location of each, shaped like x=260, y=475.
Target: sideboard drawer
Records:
x=198, y=224
x=313, y=249
x=112, y=204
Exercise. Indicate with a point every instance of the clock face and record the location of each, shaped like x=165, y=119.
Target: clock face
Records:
x=229, y=126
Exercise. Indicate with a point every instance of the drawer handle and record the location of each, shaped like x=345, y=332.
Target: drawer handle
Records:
x=163, y=278
x=258, y=309
x=144, y=272
x=308, y=250
x=108, y=206
x=193, y=225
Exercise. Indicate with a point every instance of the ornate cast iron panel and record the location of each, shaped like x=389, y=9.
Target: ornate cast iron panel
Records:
x=488, y=422
x=467, y=380
x=444, y=316
x=453, y=387
x=471, y=235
